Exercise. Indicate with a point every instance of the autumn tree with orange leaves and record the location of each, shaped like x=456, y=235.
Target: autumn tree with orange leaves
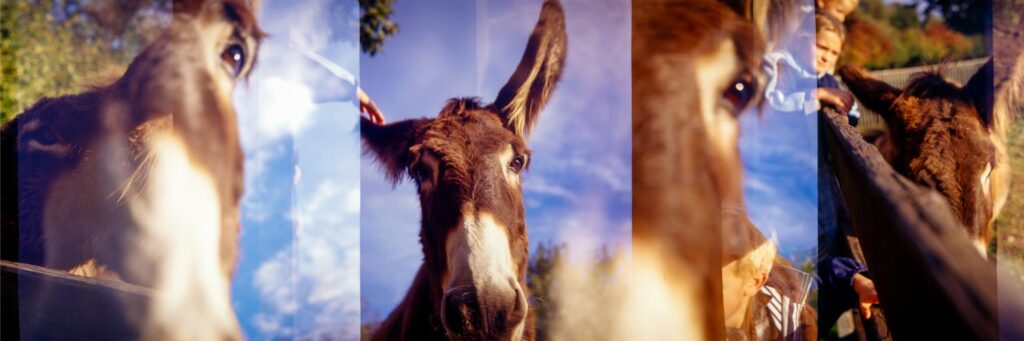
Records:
x=884, y=36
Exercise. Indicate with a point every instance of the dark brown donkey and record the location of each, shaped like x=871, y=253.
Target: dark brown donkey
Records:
x=941, y=135
x=467, y=164
x=140, y=180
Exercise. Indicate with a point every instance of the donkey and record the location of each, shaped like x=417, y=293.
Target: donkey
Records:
x=140, y=180
x=696, y=68
x=467, y=164
x=942, y=136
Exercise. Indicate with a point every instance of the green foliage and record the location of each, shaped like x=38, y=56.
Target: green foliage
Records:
x=540, y=277
x=375, y=25
x=53, y=48
x=550, y=273
x=873, y=9
x=965, y=16
x=904, y=17
x=883, y=36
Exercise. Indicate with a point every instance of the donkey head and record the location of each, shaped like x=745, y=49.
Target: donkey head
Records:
x=696, y=68
x=143, y=177
x=188, y=76
x=467, y=163
x=939, y=135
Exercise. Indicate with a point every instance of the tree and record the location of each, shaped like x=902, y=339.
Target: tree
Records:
x=882, y=36
x=904, y=17
x=561, y=289
x=965, y=16
x=539, y=279
x=54, y=48
x=375, y=25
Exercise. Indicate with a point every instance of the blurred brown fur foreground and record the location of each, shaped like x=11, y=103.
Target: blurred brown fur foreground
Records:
x=696, y=68
x=140, y=180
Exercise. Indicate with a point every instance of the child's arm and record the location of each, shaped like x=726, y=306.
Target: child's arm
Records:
x=840, y=99
x=866, y=293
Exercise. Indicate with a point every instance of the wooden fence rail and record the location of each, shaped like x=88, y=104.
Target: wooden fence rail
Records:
x=931, y=281
x=45, y=304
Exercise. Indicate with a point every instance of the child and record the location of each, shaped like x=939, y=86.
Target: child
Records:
x=843, y=280
x=828, y=45
x=761, y=299
x=838, y=9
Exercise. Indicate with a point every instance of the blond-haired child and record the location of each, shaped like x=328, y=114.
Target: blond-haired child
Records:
x=761, y=300
x=838, y=9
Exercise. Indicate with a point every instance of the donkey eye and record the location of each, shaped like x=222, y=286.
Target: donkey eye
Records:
x=737, y=97
x=517, y=164
x=233, y=58
x=419, y=173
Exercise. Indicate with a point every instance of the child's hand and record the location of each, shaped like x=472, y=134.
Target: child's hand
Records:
x=840, y=99
x=865, y=289
x=367, y=106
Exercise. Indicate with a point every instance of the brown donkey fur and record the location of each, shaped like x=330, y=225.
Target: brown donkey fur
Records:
x=466, y=164
x=688, y=57
x=696, y=68
x=141, y=180
x=942, y=136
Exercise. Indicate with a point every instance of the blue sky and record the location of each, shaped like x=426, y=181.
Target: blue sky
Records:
x=578, y=187
x=779, y=152
x=299, y=264
x=326, y=241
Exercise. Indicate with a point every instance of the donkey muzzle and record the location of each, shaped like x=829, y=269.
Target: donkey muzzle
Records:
x=489, y=313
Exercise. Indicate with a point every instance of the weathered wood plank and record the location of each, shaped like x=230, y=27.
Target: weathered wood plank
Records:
x=835, y=219
x=45, y=304
x=931, y=281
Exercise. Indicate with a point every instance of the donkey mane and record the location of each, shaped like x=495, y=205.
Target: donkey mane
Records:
x=977, y=92
x=932, y=84
x=458, y=106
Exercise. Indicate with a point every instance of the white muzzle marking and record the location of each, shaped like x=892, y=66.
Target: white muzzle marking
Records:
x=479, y=251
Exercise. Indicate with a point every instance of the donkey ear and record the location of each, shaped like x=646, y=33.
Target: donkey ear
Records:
x=873, y=93
x=524, y=95
x=980, y=89
x=389, y=144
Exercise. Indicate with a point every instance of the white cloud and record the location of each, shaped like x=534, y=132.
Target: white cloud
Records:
x=315, y=280
x=273, y=281
x=255, y=205
x=541, y=186
x=329, y=261
x=285, y=108
x=309, y=285
x=756, y=184
x=270, y=325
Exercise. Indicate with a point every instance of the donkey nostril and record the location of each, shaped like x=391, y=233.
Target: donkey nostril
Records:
x=501, y=321
x=461, y=310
